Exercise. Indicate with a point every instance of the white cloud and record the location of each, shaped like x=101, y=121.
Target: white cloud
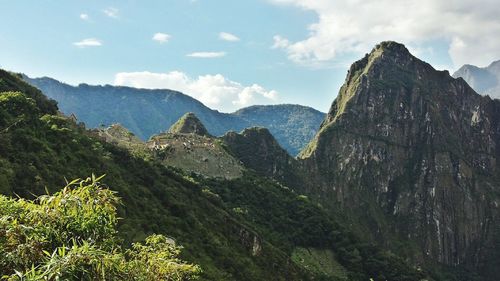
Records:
x=228, y=37
x=161, y=37
x=84, y=17
x=470, y=28
x=111, y=12
x=215, y=91
x=280, y=42
x=89, y=42
x=206, y=55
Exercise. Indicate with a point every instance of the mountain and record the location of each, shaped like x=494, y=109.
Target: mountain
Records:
x=411, y=156
x=188, y=146
x=40, y=150
x=148, y=112
x=188, y=124
x=246, y=228
x=258, y=150
x=290, y=124
x=485, y=81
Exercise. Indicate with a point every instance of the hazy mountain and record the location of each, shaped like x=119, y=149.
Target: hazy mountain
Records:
x=485, y=81
x=148, y=112
x=290, y=124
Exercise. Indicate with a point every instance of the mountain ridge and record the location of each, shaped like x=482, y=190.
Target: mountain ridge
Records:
x=249, y=228
x=484, y=80
x=147, y=112
x=400, y=142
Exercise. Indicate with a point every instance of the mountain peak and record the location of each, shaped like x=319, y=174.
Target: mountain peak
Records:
x=401, y=133
x=388, y=69
x=391, y=46
x=494, y=66
x=484, y=80
x=189, y=124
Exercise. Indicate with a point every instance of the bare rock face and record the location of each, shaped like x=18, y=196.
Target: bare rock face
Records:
x=413, y=154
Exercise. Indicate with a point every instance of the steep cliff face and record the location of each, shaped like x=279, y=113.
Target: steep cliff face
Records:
x=412, y=153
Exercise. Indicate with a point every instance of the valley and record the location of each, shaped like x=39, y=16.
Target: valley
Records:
x=398, y=182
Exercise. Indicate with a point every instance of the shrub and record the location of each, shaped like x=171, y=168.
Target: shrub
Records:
x=72, y=235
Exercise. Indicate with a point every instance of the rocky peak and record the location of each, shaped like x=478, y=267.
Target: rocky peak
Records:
x=258, y=150
x=387, y=68
x=408, y=144
x=189, y=124
x=260, y=134
x=254, y=145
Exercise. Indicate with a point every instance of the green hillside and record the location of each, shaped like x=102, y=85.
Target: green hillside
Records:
x=243, y=229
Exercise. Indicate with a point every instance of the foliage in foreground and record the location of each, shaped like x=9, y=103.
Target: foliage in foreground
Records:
x=72, y=235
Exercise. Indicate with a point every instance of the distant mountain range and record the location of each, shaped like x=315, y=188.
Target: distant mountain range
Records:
x=148, y=112
x=484, y=80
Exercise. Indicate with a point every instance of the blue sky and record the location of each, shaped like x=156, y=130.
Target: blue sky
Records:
x=230, y=54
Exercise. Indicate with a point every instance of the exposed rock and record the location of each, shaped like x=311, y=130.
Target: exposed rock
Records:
x=251, y=241
x=413, y=153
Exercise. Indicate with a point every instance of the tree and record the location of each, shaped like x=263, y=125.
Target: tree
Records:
x=72, y=235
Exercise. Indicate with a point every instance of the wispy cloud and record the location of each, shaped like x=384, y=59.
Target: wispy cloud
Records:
x=206, y=55
x=280, y=42
x=228, y=37
x=215, y=91
x=161, y=37
x=84, y=17
x=111, y=12
x=89, y=42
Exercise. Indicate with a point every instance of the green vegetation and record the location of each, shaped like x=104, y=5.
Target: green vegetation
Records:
x=321, y=261
x=288, y=221
x=258, y=150
x=72, y=235
x=249, y=228
x=189, y=124
x=39, y=150
x=292, y=125
x=200, y=154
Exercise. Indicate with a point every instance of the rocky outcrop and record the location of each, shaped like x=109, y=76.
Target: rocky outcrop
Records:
x=189, y=124
x=258, y=150
x=412, y=153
